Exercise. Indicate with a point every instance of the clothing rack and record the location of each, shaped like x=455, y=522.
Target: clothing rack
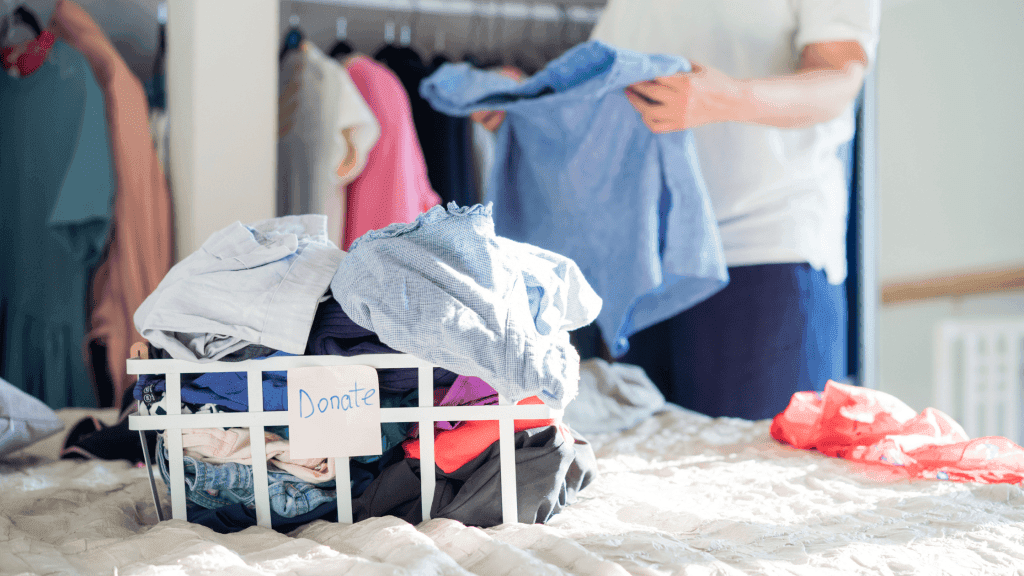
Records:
x=217, y=181
x=584, y=11
x=533, y=32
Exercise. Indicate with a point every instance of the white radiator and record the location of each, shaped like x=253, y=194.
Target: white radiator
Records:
x=979, y=376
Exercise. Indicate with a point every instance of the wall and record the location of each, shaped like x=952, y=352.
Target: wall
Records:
x=950, y=169
x=222, y=105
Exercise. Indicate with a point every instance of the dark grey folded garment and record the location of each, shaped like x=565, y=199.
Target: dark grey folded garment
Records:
x=550, y=471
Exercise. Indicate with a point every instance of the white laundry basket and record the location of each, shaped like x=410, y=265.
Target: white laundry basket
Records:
x=979, y=376
x=256, y=419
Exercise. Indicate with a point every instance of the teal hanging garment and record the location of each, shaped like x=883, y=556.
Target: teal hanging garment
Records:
x=56, y=200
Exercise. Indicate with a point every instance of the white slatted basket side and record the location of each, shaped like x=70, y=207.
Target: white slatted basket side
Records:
x=979, y=377
x=256, y=420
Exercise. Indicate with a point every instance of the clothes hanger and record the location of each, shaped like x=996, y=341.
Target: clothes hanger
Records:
x=24, y=59
x=389, y=32
x=563, y=20
x=161, y=48
x=520, y=59
x=469, y=53
x=494, y=57
x=498, y=38
x=579, y=31
x=439, y=57
x=24, y=15
x=405, y=33
x=293, y=39
x=439, y=41
x=158, y=93
x=20, y=16
x=341, y=46
x=480, y=47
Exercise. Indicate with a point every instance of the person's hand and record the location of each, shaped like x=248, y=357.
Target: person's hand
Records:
x=492, y=119
x=685, y=100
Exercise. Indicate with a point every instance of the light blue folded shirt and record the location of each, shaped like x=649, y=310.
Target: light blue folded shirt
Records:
x=578, y=173
x=256, y=284
x=446, y=289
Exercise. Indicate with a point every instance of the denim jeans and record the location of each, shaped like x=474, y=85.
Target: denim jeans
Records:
x=215, y=485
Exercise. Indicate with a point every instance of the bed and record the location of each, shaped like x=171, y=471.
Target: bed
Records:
x=678, y=494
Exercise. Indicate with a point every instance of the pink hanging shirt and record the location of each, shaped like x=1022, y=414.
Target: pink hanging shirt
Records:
x=393, y=186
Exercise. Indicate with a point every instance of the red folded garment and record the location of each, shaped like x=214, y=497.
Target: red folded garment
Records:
x=874, y=427
x=453, y=449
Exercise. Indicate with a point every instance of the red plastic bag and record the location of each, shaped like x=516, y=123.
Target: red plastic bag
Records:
x=874, y=427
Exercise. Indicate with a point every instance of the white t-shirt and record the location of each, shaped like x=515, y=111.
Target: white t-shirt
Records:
x=326, y=132
x=779, y=194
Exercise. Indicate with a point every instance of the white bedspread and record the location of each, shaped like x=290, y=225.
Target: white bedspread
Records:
x=679, y=494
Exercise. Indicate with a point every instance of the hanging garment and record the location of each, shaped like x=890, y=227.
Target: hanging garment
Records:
x=873, y=427
x=256, y=284
x=325, y=134
x=552, y=466
x=579, y=173
x=140, y=248
x=57, y=187
x=446, y=289
x=393, y=186
x=446, y=140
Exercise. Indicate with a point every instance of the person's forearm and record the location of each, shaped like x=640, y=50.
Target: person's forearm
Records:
x=802, y=99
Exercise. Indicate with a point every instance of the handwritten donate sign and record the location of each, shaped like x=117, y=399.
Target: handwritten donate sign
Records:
x=333, y=411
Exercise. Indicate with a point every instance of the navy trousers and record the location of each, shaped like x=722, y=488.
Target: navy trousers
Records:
x=774, y=330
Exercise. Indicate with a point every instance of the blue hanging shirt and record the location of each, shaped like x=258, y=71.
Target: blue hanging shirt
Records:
x=580, y=174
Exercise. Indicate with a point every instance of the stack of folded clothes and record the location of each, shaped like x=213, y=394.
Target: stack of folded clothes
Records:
x=493, y=315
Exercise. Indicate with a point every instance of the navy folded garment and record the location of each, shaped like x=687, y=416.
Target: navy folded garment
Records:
x=550, y=471
x=334, y=333
x=237, y=517
x=227, y=389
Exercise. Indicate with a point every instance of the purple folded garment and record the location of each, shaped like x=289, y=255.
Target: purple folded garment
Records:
x=466, y=391
x=333, y=333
